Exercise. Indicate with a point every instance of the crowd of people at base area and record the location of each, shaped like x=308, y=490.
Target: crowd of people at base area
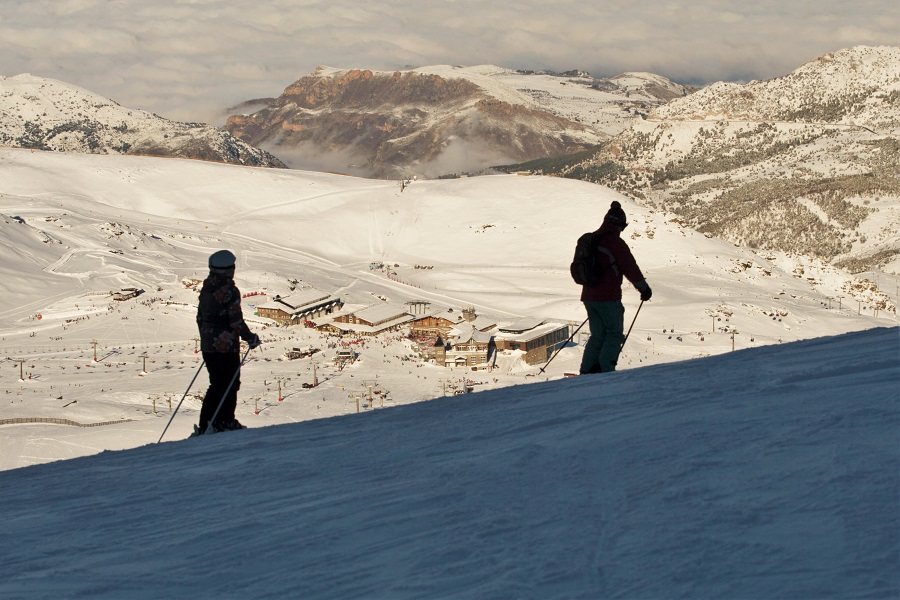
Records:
x=222, y=326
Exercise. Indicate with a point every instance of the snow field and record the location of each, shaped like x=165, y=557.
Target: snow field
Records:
x=95, y=224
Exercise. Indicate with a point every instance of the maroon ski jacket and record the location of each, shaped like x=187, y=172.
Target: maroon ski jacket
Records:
x=609, y=288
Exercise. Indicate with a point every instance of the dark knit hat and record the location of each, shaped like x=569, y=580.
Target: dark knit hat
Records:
x=223, y=259
x=616, y=215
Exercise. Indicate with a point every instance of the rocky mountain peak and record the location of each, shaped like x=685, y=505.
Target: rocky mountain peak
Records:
x=442, y=119
x=365, y=89
x=396, y=124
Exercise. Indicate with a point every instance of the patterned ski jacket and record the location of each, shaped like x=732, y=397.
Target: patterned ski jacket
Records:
x=219, y=315
x=609, y=288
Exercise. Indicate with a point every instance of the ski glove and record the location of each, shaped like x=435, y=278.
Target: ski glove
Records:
x=646, y=293
x=254, y=342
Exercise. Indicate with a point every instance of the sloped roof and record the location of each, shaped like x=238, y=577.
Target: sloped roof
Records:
x=454, y=316
x=380, y=312
x=467, y=332
x=481, y=322
x=371, y=329
x=297, y=300
x=529, y=334
x=522, y=325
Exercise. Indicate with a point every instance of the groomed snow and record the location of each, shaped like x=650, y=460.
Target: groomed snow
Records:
x=765, y=473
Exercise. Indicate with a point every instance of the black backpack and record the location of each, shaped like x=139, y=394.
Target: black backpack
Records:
x=591, y=260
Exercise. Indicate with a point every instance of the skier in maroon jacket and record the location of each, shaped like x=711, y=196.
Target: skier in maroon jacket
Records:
x=603, y=300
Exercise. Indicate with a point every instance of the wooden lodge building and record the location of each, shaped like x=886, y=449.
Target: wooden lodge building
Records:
x=533, y=336
x=440, y=323
x=371, y=320
x=467, y=347
x=299, y=307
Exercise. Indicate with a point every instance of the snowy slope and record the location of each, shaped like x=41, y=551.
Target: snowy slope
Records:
x=767, y=473
x=605, y=105
x=501, y=244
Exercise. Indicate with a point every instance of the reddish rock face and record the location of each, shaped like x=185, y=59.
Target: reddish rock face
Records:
x=400, y=124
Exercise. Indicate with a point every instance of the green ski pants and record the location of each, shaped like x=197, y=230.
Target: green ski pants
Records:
x=607, y=321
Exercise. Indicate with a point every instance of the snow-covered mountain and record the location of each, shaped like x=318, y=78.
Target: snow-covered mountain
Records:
x=45, y=114
x=805, y=163
x=441, y=119
x=856, y=87
x=767, y=473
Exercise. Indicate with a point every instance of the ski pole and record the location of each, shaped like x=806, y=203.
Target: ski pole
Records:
x=563, y=346
x=632, y=325
x=182, y=400
x=615, y=362
x=225, y=395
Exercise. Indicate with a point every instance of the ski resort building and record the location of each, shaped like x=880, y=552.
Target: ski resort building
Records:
x=536, y=338
x=127, y=294
x=371, y=320
x=440, y=323
x=466, y=347
x=299, y=307
x=431, y=325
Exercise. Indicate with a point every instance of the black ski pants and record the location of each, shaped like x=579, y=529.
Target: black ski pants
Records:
x=221, y=366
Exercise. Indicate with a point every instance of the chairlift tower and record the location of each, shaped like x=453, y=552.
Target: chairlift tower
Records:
x=357, y=395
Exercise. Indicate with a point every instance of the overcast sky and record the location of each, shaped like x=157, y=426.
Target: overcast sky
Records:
x=191, y=59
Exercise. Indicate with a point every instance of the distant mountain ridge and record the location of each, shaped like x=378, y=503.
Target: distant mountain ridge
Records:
x=45, y=114
x=441, y=119
x=858, y=86
x=806, y=163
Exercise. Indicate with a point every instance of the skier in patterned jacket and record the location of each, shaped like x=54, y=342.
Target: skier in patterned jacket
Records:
x=603, y=300
x=222, y=326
